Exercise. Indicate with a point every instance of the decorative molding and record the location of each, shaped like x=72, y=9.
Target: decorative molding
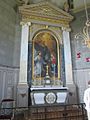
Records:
x=25, y=23
x=22, y=92
x=46, y=26
x=44, y=20
x=22, y=95
x=48, y=95
x=45, y=12
x=4, y=67
x=50, y=98
x=68, y=29
x=8, y=79
x=46, y=8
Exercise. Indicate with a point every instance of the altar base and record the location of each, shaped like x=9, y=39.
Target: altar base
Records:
x=49, y=95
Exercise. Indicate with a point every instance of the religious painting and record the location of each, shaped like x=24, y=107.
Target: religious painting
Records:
x=45, y=56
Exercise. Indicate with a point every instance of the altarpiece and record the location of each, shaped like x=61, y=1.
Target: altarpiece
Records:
x=45, y=48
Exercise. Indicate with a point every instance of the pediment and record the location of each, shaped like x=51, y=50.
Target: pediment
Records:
x=45, y=10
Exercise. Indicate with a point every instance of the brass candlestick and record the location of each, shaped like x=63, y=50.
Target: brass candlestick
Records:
x=47, y=77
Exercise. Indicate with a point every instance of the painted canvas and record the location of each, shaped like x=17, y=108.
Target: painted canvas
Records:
x=45, y=55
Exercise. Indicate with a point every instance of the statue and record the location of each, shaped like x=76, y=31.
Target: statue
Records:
x=66, y=7
x=26, y=2
x=22, y=2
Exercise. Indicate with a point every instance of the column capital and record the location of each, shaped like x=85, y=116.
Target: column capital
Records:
x=25, y=23
x=68, y=29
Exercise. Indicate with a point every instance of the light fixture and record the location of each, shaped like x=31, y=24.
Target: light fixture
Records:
x=85, y=34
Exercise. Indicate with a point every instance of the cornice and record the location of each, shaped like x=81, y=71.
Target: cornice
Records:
x=44, y=6
x=45, y=12
x=36, y=19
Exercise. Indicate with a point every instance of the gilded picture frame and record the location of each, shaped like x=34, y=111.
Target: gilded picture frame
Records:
x=46, y=56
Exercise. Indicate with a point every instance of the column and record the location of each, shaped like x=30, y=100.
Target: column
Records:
x=24, y=53
x=67, y=56
x=22, y=88
x=30, y=63
x=68, y=67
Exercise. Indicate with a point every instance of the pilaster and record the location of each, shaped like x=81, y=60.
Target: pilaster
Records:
x=68, y=66
x=67, y=55
x=22, y=88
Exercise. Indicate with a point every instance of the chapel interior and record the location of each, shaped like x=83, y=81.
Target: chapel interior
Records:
x=44, y=53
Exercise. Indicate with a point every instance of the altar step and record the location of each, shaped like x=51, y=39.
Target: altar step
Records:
x=52, y=112
x=66, y=112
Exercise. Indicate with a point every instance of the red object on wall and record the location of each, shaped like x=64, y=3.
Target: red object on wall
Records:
x=78, y=55
x=88, y=59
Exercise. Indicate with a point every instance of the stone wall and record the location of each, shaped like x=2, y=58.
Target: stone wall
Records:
x=80, y=55
x=8, y=17
x=9, y=49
